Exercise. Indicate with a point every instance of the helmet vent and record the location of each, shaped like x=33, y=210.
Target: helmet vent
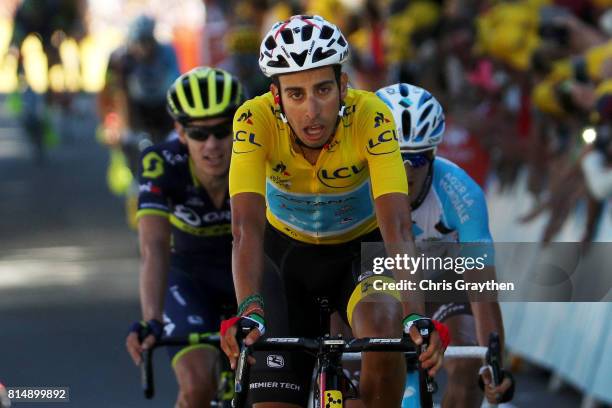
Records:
x=270, y=43
x=300, y=58
x=406, y=125
x=425, y=113
x=280, y=62
x=422, y=132
x=424, y=98
x=403, y=90
x=342, y=41
x=320, y=55
x=326, y=32
x=188, y=93
x=287, y=36
x=306, y=33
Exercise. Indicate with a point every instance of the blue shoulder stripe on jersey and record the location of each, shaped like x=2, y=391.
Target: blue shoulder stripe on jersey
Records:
x=386, y=100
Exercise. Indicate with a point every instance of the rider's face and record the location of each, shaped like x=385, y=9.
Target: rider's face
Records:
x=311, y=100
x=210, y=156
x=416, y=178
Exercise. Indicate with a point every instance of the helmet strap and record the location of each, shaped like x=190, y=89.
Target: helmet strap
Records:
x=425, y=189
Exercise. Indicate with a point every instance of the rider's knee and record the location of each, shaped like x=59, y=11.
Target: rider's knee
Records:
x=195, y=376
x=193, y=395
x=463, y=371
x=377, y=319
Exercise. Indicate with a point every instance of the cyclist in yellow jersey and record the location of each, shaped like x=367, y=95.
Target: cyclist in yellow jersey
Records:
x=316, y=171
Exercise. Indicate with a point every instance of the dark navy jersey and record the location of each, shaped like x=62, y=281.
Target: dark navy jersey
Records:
x=169, y=188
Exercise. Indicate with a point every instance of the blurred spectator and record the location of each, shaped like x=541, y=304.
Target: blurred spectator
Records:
x=51, y=20
x=597, y=162
x=138, y=75
x=242, y=40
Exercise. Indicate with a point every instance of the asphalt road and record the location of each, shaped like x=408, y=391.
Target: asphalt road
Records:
x=69, y=274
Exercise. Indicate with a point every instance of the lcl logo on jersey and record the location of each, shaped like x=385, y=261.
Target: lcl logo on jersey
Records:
x=243, y=143
x=385, y=143
x=341, y=177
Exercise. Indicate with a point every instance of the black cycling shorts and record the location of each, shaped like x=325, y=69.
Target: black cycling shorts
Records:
x=198, y=295
x=296, y=273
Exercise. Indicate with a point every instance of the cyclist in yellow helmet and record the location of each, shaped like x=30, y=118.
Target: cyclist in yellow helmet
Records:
x=184, y=229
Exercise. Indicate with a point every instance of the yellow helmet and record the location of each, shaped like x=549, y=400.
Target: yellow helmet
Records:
x=204, y=93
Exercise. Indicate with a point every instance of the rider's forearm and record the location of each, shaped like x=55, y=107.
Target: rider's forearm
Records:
x=485, y=308
x=413, y=301
x=154, y=264
x=247, y=258
x=488, y=318
x=398, y=238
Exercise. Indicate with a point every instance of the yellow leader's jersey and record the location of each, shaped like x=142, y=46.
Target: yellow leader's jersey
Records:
x=329, y=202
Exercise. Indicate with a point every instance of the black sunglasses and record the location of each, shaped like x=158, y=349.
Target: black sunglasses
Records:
x=201, y=133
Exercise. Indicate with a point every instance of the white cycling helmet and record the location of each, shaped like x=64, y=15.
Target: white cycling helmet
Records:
x=301, y=43
x=419, y=117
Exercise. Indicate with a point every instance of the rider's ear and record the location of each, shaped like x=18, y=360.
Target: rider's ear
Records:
x=180, y=131
x=343, y=85
x=275, y=92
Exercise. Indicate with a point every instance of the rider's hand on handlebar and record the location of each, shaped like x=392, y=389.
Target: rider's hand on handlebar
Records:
x=497, y=393
x=142, y=336
x=431, y=359
x=252, y=324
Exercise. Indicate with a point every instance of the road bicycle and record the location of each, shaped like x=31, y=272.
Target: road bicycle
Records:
x=332, y=386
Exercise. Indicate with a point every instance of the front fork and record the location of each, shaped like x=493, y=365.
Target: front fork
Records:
x=330, y=376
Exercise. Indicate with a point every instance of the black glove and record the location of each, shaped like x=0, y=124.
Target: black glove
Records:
x=145, y=328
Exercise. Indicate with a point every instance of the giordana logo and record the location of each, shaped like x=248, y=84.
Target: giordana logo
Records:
x=379, y=119
x=275, y=361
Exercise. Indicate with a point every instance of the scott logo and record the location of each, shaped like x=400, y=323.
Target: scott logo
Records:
x=152, y=165
x=375, y=146
x=379, y=119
